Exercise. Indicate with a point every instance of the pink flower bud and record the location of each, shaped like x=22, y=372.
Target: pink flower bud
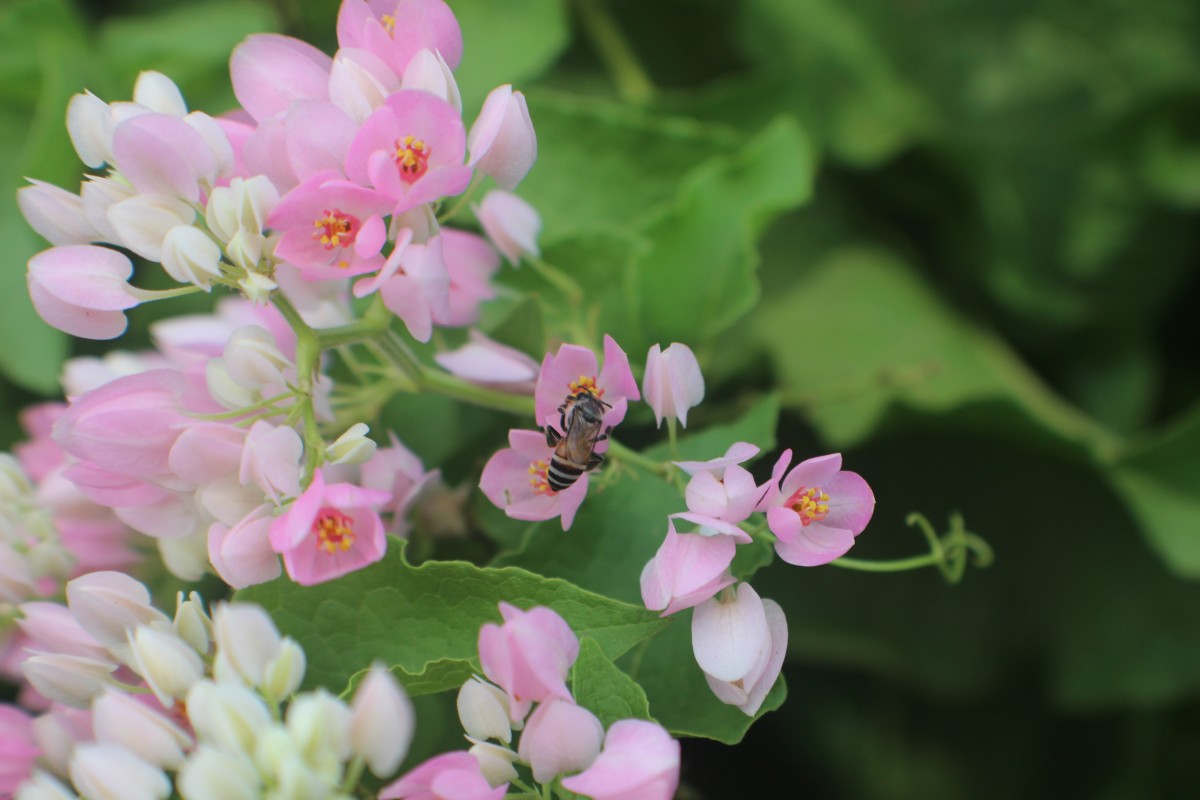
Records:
x=52, y=627
x=71, y=680
x=56, y=214
x=164, y=155
x=511, y=223
x=640, y=761
x=381, y=722
x=502, y=142
x=242, y=554
x=739, y=642
x=560, y=737
x=673, y=382
x=528, y=656
x=90, y=126
x=688, y=569
x=82, y=290
x=487, y=362
x=143, y=221
x=450, y=776
x=271, y=460
x=107, y=603
x=109, y=772
x=117, y=718
x=428, y=71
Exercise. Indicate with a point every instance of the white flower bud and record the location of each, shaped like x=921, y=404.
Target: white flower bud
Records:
x=191, y=623
x=255, y=200
x=190, y=256
x=17, y=579
x=381, y=722
x=158, y=93
x=247, y=637
x=109, y=772
x=352, y=447
x=56, y=214
x=167, y=663
x=211, y=774
x=98, y=194
x=245, y=249
x=186, y=558
x=228, y=716
x=106, y=603
x=428, y=71
x=119, y=719
x=71, y=680
x=57, y=732
x=48, y=558
x=90, y=126
x=257, y=287
x=143, y=221
x=483, y=711
x=42, y=786
x=278, y=756
x=284, y=673
x=218, y=144
x=359, y=82
x=253, y=359
x=223, y=388
x=495, y=762
x=319, y=723
x=511, y=223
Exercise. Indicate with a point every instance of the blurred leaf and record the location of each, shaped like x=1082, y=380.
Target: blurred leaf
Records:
x=425, y=620
x=859, y=332
x=600, y=687
x=1160, y=482
x=698, y=276
x=189, y=42
x=606, y=167
x=678, y=692
x=510, y=42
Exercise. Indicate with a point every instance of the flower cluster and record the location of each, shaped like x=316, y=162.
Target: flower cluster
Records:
x=526, y=660
x=141, y=705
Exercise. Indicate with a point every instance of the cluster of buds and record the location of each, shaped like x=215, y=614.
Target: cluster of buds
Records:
x=525, y=703
x=142, y=705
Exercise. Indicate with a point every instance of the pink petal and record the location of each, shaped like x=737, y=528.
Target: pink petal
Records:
x=813, y=472
x=161, y=154
x=616, y=377
x=814, y=545
x=270, y=71
x=640, y=760
x=736, y=454
x=851, y=502
x=318, y=135
x=729, y=638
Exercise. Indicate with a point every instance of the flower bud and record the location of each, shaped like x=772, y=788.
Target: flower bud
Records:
x=243, y=205
x=82, y=290
x=245, y=249
x=560, y=737
x=211, y=774
x=428, y=71
x=117, y=718
x=186, y=558
x=502, y=141
x=168, y=665
x=42, y=786
x=252, y=357
x=271, y=460
x=283, y=674
x=158, y=93
x=740, y=642
x=191, y=622
x=109, y=772
x=143, y=221
x=97, y=195
x=495, y=762
x=528, y=656
x=319, y=724
x=640, y=759
x=90, y=126
x=381, y=722
x=57, y=733
x=359, y=82
x=228, y=716
x=52, y=627
x=511, y=224
x=223, y=388
x=483, y=711
x=189, y=256
x=17, y=579
x=247, y=637
x=352, y=447
x=72, y=680
x=672, y=383
x=56, y=214
x=257, y=287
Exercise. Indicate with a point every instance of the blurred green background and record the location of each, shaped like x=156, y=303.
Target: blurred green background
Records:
x=958, y=239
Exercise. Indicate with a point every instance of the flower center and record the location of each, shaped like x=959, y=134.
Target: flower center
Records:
x=412, y=158
x=334, y=530
x=335, y=229
x=585, y=384
x=811, y=504
x=538, y=479
x=389, y=23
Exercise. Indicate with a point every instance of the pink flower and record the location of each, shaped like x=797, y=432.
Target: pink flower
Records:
x=450, y=776
x=332, y=229
x=720, y=488
x=515, y=479
x=396, y=30
x=309, y=139
x=398, y=471
x=739, y=642
x=411, y=149
x=502, y=142
x=818, y=510
x=511, y=224
x=640, y=761
x=270, y=71
x=242, y=554
x=573, y=369
x=414, y=284
x=528, y=656
x=487, y=362
x=672, y=383
x=471, y=263
x=329, y=531
x=82, y=290
x=560, y=737
x=17, y=749
x=688, y=569
x=127, y=427
x=164, y=155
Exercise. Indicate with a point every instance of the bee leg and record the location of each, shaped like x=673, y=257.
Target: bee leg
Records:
x=604, y=435
x=552, y=436
x=594, y=460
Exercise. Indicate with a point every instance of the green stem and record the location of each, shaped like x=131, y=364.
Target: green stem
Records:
x=671, y=439
x=373, y=324
x=619, y=452
x=308, y=355
x=448, y=385
x=896, y=565
x=560, y=280
x=633, y=84
x=353, y=774
x=266, y=405
x=462, y=200
x=150, y=295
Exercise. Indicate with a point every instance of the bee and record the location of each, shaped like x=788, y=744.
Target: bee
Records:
x=574, y=449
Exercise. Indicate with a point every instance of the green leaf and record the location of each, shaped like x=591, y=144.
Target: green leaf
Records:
x=679, y=696
x=1160, y=483
x=510, y=42
x=602, y=688
x=880, y=337
x=698, y=275
x=425, y=620
x=606, y=167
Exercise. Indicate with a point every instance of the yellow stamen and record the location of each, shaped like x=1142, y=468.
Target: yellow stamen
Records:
x=334, y=530
x=811, y=504
x=538, y=480
x=412, y=158
x=334, y=229
x=587, y=384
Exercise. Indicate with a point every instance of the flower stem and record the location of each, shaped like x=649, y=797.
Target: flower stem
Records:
x=150, y=295
x=462, y=200
x=619, y=452
x=896, y=565
x=308, y=354
x=561, y=280
x=353, y=774
x=949, y=553
x=633, y=84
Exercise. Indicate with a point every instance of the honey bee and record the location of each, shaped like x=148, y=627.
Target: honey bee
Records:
x=574, y=449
